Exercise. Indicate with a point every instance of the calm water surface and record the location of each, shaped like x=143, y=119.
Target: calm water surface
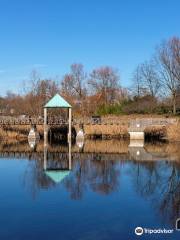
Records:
x=102, y=190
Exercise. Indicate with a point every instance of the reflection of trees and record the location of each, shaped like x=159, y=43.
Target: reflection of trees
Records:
x=157, y=181
x=76, y=183
x=170, y=201
x=99, y=175
x=35, y=178
x=95, y=173
x=146, y=177
x=104, y=177
x=160, y=183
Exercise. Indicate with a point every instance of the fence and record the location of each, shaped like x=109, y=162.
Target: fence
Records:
x=138, y=125
x=134, y=124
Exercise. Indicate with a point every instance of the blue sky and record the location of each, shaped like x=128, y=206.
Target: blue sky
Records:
x=50, y=35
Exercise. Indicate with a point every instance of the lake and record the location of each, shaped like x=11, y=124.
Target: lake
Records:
x=94, y=190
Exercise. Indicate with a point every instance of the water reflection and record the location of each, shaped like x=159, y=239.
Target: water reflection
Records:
x=153, y=170
x=33, y=142
x=55, y=169
x=80, y=144
x=159, y=182
x=100, y=176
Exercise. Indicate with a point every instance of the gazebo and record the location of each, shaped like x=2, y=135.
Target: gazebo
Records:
x=57, y=102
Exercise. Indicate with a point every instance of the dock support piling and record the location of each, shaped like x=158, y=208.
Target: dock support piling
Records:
x=69, y=154
x=70, y=123
x=45, y=126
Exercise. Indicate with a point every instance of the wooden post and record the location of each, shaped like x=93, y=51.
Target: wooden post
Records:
x=69, y=148
x=45, y=156
x=70, y=120
x=45, y=126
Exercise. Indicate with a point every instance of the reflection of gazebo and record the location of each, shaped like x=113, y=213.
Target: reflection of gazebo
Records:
x=57, y=175
x=55, y=169
x=57, y=102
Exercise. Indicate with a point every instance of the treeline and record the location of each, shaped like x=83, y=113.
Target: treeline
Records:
x=155, y=88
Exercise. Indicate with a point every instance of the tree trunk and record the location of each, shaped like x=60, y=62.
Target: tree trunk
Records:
x=174, y=104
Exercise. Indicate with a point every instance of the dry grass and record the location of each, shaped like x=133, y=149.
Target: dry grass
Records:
x=133, y=116
x=11, y=135
x=121, y=129
x=106, y=146
x=155, y=132
x=17, y=131
x=171, y=149
x=173, y=132
x=101, y=146
x=106, y=130
x=157, y=147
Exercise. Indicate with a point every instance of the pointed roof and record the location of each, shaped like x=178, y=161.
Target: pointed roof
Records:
x=57, y=102
x=57, y=175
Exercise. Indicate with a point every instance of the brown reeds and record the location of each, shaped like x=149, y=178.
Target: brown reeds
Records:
x=106, y=146
x=17, y=132
x=14, y=135
x=106, y=131
x=155, y=132
x=173, y=132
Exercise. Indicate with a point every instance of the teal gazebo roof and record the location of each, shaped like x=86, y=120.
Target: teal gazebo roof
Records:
x=57, y=175
x=57, y=102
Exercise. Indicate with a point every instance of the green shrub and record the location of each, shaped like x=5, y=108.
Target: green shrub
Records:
x=109, y=109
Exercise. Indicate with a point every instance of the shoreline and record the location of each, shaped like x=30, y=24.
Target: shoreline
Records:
x=170, y=133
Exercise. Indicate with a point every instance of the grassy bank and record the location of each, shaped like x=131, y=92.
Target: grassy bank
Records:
x=173, y=132
x=11, y=135
x=104, y=131
x=17, y=132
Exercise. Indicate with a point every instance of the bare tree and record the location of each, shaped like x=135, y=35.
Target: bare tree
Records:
x=74, y=83
x=137, y=87
x=31, y=84
x=150, y=78
x=169, y=67
x=105, y=80
x=46, y=88
x=37, y=92
x=146, y=80
x=175, y=44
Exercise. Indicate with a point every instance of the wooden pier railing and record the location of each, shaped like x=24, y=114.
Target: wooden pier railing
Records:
x=133, y=124
x=138, y=125
x=58, y=121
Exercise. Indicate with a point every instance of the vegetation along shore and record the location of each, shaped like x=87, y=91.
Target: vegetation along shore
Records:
x=170, y=132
